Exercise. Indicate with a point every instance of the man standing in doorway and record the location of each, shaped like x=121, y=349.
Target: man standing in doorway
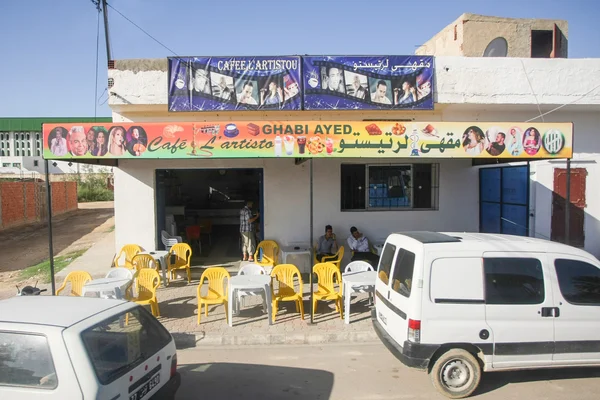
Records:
x=247, y=231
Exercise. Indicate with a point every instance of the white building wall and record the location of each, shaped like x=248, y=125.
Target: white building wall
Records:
x=287, y=200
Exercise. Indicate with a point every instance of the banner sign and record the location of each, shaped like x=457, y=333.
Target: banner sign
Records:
x=368, y=82
x=300, y=139
x=234, y=83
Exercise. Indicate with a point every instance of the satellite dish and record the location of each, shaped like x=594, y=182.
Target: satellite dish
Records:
x=496, y=48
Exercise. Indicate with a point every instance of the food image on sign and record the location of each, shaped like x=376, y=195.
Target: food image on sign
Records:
x=253, y=129
x=373, y=129
x=398, y=129
x=315, y=146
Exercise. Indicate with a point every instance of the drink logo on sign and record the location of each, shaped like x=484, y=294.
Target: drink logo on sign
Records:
x=553, y=141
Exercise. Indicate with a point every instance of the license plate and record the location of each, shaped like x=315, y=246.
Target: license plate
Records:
x=147, y=388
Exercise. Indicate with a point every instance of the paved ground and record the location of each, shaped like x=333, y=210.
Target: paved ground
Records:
x=179, y=306
x=25, y=246
x=349, y=372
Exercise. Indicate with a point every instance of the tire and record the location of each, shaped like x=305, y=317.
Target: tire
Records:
x=456, y=374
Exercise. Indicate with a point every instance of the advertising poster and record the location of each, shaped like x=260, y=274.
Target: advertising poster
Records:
x=303, y=139
x=234, y=83
x=367, y=82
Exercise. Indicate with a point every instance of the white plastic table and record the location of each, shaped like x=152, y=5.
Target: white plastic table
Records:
x=249, y=282
x=107, y=287
x=378, y=249
x=160, y=256
x=356, y=279
x=291, y=250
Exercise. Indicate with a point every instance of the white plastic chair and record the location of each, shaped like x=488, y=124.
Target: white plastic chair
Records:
x=120, y=272
x=360, y=266
x=169, y=240
x=250, y=269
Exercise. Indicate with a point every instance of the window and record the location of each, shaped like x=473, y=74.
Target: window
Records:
x=35, y=163
x=115, y=348
x=579, y=281
x=542, y=44
x=25, y=360
x=513, y=281
x=385, y=263
x=16, y=165
x=403, y=272
x=389, y=187
x=6, y=164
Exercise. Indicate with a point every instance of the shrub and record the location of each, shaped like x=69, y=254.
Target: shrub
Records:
x=93, y=186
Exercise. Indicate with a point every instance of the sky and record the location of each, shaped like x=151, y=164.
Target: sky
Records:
x=48, y=48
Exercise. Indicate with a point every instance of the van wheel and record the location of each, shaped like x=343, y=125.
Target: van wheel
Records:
x=456, y=374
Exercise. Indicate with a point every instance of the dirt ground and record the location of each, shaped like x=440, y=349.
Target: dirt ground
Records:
x=25, y=246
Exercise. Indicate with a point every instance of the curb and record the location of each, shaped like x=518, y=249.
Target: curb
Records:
x=188, y=340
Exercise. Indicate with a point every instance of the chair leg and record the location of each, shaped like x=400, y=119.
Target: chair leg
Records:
x=274, y=310
x=206, y=309
x=301, y=304
x=199, y=312
x=314, y=306
x=189, y=274
x=296, y=304
x=226, y=311
x=157, y=309
x=339, y=301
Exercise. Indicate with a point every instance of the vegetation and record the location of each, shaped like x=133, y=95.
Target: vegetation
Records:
x=43, y=269
x=92, y=186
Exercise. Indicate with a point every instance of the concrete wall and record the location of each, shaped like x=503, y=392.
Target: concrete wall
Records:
x=287, y=200
x=474, y=32
x=459, y=81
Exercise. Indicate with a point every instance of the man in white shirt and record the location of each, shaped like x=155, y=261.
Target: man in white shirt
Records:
x=361, y=247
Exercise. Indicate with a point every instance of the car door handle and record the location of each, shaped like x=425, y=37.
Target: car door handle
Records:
x=550, y=312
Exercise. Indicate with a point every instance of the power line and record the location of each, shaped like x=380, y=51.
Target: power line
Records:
x=141, y=29
x=97, y=57
x=564, y=105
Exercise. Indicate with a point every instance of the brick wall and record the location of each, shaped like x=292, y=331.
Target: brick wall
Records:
x=25, y=202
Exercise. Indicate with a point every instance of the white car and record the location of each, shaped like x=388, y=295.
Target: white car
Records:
x=59, y=347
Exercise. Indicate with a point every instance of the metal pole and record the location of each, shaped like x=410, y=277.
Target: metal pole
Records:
x=568, y=205
x=50, y=246
x=312, y=248
x=105, y=12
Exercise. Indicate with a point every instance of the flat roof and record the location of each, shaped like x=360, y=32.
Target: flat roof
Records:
x=60, y=311
x=35, y=124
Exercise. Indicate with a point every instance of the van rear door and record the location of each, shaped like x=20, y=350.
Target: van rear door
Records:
x=394, y=287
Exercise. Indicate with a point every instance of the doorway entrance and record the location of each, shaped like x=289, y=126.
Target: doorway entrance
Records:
x=504, y=200
x=577, y=206
x=203, y=207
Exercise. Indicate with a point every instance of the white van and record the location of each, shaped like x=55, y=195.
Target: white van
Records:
x=456, y=304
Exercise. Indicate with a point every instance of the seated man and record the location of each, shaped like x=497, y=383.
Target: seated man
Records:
x=361, y=247
x=326, y=245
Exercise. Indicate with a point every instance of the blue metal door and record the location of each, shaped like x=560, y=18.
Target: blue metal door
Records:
x=504, y=200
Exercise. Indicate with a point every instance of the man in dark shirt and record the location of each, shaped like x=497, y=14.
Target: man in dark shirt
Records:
x=496, y=148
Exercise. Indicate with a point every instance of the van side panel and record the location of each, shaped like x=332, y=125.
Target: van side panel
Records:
x=454, y=303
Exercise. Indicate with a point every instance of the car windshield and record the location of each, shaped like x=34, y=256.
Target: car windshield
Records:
x=122, y=342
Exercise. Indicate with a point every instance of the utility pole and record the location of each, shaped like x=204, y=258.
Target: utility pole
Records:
x=105, y=10
x=101, y=6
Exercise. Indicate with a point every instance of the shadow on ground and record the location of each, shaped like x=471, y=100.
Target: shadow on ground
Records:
x=253, y=381
x=496, y=380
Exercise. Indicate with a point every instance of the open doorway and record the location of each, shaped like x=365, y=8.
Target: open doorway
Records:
x=208, y=202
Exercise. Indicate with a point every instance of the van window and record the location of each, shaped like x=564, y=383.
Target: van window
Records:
x=119, y=344
x=385, y=263
x=513, y=281
x=579, y=281
x=457, y=281
x=403, y=272
x=25, y=361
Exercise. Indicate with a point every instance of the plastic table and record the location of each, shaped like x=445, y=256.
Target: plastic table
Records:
x=352, y=280
x=249, y=283
x=108, y=288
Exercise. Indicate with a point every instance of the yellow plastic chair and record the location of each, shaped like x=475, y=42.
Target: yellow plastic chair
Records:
x=335, y=259
x=77, y=280
x=182, y=252
x=147, y=280
x=130, y=251
x=270, y=255
x=144, y=261
x=217, y=289
x=328, y=274
x=285, y=274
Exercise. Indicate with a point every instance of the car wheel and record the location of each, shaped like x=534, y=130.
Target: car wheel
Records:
x=456, y=374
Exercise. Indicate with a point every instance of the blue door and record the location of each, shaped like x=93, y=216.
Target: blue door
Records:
x=504, y=200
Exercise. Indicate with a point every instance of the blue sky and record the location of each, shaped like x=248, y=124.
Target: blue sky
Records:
x=48, y=48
